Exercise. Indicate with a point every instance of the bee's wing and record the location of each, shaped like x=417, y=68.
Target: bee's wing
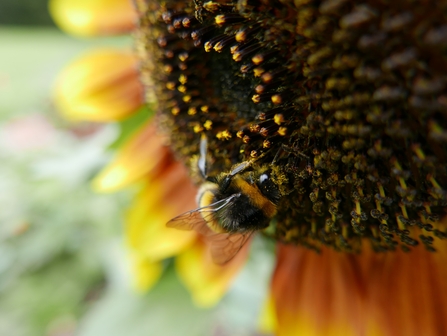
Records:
x=223, y=246
x=196, y=219
x=191, y=220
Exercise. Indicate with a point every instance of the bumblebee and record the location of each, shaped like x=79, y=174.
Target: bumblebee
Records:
x=232, y=206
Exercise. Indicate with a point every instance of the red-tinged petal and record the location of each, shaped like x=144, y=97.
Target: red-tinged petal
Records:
x=392, y=294
x=206, y=281
x=102, y=85
x=316, y=294
x=407, y=292
x=93, y=17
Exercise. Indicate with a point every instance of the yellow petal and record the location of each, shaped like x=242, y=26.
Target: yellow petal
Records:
x=317, y=294
x=206, y=281
x=267, y=320
x=157, y=203
x=142, y=154
x=145, y=273
x=93, y=17
x=151, y=238
x=102, y=85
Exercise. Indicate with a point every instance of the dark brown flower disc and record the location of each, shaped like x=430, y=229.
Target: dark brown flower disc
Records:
x=346, y=100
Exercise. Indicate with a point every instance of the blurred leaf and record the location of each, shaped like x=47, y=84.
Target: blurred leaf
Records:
x=167, y=310
x=130, y=125
x=58, y=289
x=25, y=12
x=79, y=164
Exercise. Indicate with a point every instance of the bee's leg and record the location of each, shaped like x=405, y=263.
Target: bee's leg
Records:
x=279, y=154
x=282, y=151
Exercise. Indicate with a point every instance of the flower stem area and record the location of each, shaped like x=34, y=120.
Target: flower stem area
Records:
x=63, y=262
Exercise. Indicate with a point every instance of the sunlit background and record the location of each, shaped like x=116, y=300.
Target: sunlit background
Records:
x=63, y=266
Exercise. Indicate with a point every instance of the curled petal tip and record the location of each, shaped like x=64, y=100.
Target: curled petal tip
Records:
x=145, y=272
x=101, y=86
x=93, y=17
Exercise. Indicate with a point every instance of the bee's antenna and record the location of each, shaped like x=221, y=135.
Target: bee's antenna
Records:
x=277, y=155
x=202, y=162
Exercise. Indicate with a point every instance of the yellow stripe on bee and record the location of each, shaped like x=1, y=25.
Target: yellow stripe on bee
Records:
x=205, y=198
x=255, y=196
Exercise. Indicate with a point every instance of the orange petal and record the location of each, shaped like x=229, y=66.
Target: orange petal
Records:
x=206, y=281
x=93, y=17
x=407, y=293
x=143, y=154
x=100, y=86
x=388, y=294
x=314, y=294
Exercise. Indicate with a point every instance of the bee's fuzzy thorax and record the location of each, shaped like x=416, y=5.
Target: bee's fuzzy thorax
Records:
x=256, y=197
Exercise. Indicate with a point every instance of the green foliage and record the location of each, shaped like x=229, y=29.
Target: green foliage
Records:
x=53, y=230
x=25, y=12
x=166, y=310
x=128, y=126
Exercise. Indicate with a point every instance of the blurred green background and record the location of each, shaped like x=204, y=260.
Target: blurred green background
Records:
x=25, y=13
x=63, y=268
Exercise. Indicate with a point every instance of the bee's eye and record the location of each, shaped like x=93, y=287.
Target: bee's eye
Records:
x=265, y=183
x=268, y=188
x=263, y=178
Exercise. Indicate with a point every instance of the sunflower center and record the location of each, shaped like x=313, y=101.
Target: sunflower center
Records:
x=343, y=100
x=232, y=88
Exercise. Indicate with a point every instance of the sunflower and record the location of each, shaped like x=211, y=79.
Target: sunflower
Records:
x=341, y=105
